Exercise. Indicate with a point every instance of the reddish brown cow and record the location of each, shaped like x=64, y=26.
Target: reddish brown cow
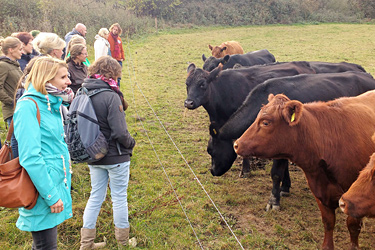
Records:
x=226, y=48
x=359, y=200
x=330, y=141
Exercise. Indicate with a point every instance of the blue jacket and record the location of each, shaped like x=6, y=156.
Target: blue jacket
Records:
x=44, y=154
x=25, y=59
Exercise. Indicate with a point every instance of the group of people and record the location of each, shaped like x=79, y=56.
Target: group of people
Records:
x=32, y=66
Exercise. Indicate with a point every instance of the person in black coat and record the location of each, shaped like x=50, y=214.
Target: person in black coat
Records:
x=115, y=166
x=77, y=70
x=27, y=48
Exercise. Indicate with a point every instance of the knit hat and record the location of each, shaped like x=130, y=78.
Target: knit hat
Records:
x=34, y=33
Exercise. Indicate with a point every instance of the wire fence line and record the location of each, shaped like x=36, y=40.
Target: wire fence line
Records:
x=134, y=83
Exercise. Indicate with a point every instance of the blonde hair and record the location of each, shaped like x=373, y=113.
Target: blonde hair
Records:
x=44, y=69
x=118, y=26
x=26, y=71
x=45, y=43
x=76, y=39
x=75, y=51
x=103, y=32
x=106, y=66
x=9, y=42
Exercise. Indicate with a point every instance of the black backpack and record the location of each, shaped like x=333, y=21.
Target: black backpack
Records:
x=86, y=143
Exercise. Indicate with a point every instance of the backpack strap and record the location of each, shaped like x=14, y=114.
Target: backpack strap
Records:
x=97, y=91
x=84, y=90
x=11, y=127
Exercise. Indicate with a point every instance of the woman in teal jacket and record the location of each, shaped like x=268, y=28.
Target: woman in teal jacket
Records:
x=43, y=151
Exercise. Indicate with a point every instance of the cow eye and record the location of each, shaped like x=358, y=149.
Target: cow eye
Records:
x=202, y=84
x=265, y=123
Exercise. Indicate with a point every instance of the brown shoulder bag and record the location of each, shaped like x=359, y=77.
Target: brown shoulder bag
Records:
x=16, y=187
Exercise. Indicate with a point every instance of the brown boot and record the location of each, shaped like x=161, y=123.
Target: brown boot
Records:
x=122, y=236
x=87, y=239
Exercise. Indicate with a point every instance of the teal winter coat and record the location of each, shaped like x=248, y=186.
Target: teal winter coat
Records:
x=44, y=154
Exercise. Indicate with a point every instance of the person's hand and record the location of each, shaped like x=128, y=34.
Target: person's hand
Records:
x=58, y=207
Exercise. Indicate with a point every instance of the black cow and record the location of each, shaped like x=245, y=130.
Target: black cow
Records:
x=327, y=67
x=221, y=92
x=258, y=57
x=305, y=88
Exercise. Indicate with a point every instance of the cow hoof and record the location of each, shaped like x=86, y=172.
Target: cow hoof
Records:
x=273, y=207
x=284, y=194
x=268, y=207
x=245, y=174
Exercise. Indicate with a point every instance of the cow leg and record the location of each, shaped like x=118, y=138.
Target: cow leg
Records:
x=286, y=183
x=245, y=171
x=277, y=174
x=329, y=220
x=354, y=225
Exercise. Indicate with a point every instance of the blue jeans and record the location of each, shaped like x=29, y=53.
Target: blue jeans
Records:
x=118, y=175
x=45, y=239
x=13, y=141
x=119, y=79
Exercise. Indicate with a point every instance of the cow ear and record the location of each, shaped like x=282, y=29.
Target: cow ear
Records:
x=225, y=59
x=210, y=47
x=191, y=68
x=224, y=48
x=214, y=129
x=204, y=58
x=292, y=112
x=214, y=73
x=270, y=97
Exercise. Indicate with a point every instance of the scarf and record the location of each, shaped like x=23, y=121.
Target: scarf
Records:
x=113, y=84
x=116, y=51
x=67, y=94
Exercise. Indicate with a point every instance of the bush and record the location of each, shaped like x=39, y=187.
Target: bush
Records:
x=52, y=16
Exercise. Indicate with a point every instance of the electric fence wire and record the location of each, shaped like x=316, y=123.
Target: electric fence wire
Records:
x=161, y=164
x=131, y=64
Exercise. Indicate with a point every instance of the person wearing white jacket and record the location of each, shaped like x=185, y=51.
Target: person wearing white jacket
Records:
x=101, y=45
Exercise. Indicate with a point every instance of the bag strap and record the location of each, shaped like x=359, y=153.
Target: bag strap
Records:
x=11, y=128
x=97, y=91
x=84, y=90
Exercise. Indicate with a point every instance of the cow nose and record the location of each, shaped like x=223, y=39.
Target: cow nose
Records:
x=342, y=205
x=235, y=146
x=189, y=103
x=212, y=172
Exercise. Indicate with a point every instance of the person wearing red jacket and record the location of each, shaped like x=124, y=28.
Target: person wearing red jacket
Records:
x=117, y=51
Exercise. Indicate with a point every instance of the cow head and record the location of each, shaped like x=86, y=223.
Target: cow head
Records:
x=217, y=51
x=271, y=132
x=212, y=62
x=222, y=155
x=197, y=85
x=359, y=200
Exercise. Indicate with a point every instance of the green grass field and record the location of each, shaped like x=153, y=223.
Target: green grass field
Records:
x=174, y=201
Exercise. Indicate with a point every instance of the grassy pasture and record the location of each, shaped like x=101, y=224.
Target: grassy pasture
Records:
x=154, y=85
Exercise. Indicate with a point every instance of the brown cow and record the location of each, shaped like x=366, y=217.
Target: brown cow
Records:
x=226, y=48
x=330, y=141
x=359, y=200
